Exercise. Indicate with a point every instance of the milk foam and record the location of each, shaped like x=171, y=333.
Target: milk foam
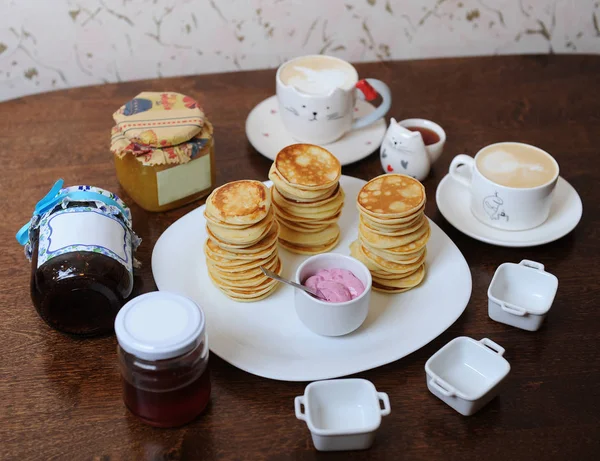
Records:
x=321, y=81
x=503, y=162
x=523, y=167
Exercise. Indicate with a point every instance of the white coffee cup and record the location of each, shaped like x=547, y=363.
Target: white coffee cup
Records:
x=317, y=95
x=502, y=206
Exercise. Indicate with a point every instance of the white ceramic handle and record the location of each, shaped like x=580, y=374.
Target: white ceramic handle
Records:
x=459, y=174
x=450, y=392
x=298, y=402
x=512, y=309
x=497, y=348
x=384, y=107
x=532, y=264
x=386, y=403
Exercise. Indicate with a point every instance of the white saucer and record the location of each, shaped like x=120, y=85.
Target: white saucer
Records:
x=266, y=133
x=453, y=202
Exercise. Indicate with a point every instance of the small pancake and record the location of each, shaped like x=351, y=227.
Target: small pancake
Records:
x=229, y=268
x=316, y=214
x=249, y=283
x=385, y=242
x=235, y=246
x=388, y=276
x=415, y=225
x=239, y=202
x=389, y=228
x=359, y=252
x=250, y=292
x=226, y=225
x=408, y=258
x=391, y=196
x=257, y=298
x=328, y=234
x=264, y=247
x=409, y=281
x=383, y=289
x=277, y=197
x=308, y=167
x=409, y=248
x=327, y=207
x=241, y=272
x=224, y=257
x=383, y=265
x=294, y=193
x=389, y=221
x=310, y=250
x=242, y=236
x=301, y=227
x=315, y=220
x=307, y=200
x=231, y=277
x=316, y=217
x=259, y=246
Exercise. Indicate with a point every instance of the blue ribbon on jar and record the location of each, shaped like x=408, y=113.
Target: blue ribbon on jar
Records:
x=56, y=196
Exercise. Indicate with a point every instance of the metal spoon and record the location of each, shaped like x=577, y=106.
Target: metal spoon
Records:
x=317, y=294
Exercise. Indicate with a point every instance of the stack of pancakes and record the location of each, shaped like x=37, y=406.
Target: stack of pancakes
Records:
x=242, y=236
x=393, y=232
x=307, y=198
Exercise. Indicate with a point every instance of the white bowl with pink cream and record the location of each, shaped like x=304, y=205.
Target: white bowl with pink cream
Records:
x=332, y=318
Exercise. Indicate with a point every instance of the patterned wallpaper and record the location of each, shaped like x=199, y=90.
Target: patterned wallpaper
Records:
x=53, y=44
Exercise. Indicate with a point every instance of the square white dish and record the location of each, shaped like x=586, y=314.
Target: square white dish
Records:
x=342, y=414
x=467, y=374
x=268, y=339
x=521, y=294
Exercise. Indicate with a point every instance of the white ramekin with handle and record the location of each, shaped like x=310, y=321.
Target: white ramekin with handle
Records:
x=342, y=414
x=521, y=294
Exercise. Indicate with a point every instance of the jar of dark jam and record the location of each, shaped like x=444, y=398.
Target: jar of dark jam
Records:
x=81, y=249
x=163, y=358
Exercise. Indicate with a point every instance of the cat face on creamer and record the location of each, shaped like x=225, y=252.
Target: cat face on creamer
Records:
x=403, y=151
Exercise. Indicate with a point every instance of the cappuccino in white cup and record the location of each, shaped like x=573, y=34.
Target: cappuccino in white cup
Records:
x=511, y=184
x=318, y=75
x=317, y=95
x=516, y=165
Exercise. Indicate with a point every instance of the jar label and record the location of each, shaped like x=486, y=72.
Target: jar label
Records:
x=183, y=180
x=84, y=229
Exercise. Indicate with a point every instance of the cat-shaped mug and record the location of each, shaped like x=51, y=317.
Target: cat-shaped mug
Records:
x=403, y=151
x=317, y=95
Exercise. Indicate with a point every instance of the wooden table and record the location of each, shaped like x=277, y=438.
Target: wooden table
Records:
x=60, y=398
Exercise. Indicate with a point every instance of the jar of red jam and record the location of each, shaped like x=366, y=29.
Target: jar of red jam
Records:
x=163, y=358
x=81, y=244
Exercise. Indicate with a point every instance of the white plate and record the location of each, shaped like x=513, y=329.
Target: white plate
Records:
x=453, y=202
x=266, y=133
x=267, y=339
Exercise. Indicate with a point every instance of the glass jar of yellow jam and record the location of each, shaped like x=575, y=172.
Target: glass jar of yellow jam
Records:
x=163, y=147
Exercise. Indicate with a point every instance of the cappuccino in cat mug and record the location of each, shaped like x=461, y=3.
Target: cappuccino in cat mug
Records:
x=317, y=95
x=511, y=184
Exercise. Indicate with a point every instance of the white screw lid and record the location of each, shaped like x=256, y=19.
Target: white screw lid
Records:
x=159, y=325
